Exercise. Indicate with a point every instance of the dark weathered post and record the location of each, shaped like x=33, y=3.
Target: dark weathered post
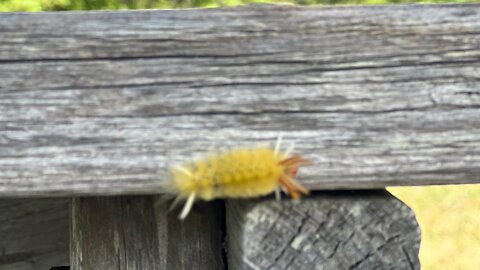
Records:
x=138, y=232
x=328, y=230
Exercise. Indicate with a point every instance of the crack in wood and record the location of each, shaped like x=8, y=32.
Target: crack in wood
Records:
x=303, y=221
x=409, y=260
x=359, y=262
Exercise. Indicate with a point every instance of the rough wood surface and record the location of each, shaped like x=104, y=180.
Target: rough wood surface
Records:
x=138, y=232
x=33, y=233
x=104, y=102
x=330, y=230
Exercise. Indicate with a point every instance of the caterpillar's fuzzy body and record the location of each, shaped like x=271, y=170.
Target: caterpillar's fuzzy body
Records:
x=238, y=173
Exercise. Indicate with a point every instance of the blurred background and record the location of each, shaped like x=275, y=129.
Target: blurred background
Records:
x=39, y=5
x=448, y=215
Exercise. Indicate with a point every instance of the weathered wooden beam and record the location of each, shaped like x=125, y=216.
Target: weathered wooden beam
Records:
x=104, y=102
x=138, y=232
x=330, y=230
x=33, y=233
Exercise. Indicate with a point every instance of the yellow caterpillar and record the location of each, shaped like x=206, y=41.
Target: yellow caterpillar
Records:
x=238, y=173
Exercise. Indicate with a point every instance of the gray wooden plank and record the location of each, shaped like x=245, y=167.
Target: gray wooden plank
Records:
x=104, y=102
x=258, y=31
x=138, y=232
x=33, y=233
x=330, y=230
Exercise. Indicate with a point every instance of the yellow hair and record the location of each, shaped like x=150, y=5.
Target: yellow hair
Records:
x=239, y=173
x=235, y=174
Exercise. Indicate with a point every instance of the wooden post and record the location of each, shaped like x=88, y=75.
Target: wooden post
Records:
x=138, y=232
x=198, y=241
x=328, y=230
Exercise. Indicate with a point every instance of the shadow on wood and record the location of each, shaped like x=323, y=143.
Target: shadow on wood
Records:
x=33, y=233
x=328, y=230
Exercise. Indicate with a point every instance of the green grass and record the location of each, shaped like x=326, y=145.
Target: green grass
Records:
x=449, y=217
x=43, y=5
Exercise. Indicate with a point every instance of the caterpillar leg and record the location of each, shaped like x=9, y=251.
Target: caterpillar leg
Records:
x=188, y=206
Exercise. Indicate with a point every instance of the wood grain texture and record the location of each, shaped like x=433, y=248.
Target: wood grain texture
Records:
x=137, y=232
x=330, y=230
x=198, y=241
x=33, y=233
x=105, y=102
